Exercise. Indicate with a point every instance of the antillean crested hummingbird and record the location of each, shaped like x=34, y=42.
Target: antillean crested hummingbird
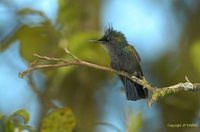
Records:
x=124, y=57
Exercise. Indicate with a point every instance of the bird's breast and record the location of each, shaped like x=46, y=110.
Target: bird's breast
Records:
x=123, y=62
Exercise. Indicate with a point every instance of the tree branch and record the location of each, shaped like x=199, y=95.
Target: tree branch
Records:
x=155, y=92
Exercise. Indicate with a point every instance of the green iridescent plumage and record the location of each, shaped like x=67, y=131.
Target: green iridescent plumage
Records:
x=124, y=57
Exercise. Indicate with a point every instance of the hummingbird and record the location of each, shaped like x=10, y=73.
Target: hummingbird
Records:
x=124, y=57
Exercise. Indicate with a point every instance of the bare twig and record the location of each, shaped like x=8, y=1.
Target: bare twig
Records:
x=68, y=52
x=49, y=58
x=154, y=91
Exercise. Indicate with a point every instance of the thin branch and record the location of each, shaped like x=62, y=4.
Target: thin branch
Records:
x=154, y=91
x=48, y=58
x=68, y=52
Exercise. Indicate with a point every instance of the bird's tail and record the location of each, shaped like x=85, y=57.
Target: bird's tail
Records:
x=135, y=91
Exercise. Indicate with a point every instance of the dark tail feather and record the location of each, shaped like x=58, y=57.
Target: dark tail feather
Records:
x=135, y=91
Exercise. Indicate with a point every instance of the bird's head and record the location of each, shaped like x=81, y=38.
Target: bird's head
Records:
x=112, y=37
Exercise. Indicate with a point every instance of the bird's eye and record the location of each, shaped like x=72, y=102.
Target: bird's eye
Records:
x=104, y=39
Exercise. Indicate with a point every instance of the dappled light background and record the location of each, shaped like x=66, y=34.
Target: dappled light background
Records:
x=166, y=35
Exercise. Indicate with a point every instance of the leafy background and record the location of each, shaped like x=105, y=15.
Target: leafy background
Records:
x=165, y=33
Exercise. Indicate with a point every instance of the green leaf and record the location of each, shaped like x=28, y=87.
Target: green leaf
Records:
x=22, y=113
x=195, y=54
x=27, y=11
x=59, y=120
x=16, y=33
x=13, y=123
x=41, y=40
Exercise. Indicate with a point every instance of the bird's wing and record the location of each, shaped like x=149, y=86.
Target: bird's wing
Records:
x=132, y=50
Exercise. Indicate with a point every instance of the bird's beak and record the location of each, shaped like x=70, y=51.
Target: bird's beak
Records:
x=93, y=41
x=101, y=40
x=97, y=41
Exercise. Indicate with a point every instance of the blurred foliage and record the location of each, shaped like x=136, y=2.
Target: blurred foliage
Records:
x=75, y=27
x=135, y=122
x=16, y=122
x=59, y=120
x=184, y=61
x=195, y=54
x=75, y=85
x=28, y=11
x=75, y=18
x=78, y=22
x=35, y=39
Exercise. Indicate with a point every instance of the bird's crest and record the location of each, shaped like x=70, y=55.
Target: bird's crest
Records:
x=111, y=34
